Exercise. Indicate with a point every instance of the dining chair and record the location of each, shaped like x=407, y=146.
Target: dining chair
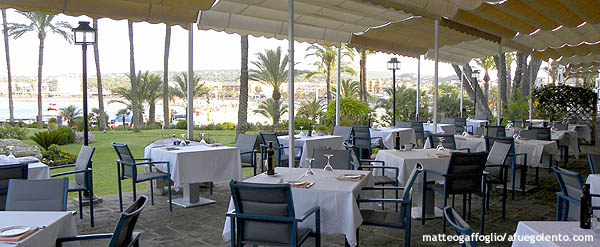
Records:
x=8, y=172
x=497, y=168
x=545, y=134
x=447, y=120
x=392, y=219
x=264, y=215
x=481, y=117
x=246, y=143
x=339, y=161
x=560, y=125
x=123, y=234
x=460, y=227
x=496, y=131
x=519, y=123
x=280, y=155
x=420, y=133
x=343, y=131
x=83, y=178
x=489, y=143
x=37, y=195
x=448, y=142
x=362, y=140
x=464, y=176
x=594, y=161
x=127, y=169
x=571, y=185
x=460, y=124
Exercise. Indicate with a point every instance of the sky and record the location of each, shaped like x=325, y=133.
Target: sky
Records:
x=212, y=51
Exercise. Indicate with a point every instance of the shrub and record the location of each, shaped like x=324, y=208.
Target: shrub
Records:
x=53, y=156
x=154, y=126
x=352, y=112
x=61, y=136
x=35, y=125
x=7, y=131
x=79, y=137
x=66, y=135
x=181, y=125
x=228, y=125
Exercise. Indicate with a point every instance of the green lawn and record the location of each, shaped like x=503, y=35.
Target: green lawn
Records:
x=105, y=170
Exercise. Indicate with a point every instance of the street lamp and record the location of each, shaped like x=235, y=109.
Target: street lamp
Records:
x=475, y=75
x=393, y=65
x=84, y=35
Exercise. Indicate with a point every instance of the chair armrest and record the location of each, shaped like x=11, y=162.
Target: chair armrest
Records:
x=59, y=241
x=148, y=159
x=315, y=209
x=384, y=200
x=63, y=166
x=379, y=167
x=249, y=152
x=372, y=161
x=495, y=165
x=152, y=163
x=261, y=217
x=568, y=198
x=70, y=172
x=383, y=188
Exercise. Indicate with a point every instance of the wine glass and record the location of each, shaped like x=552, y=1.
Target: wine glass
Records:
x=202, y=138
x=310, y=171
x=440, y=146
x=301, y=132
x=10, y=154
x=509, y=126
x=328, y=167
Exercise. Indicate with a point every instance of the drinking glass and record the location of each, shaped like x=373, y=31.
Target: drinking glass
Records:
x=310, y=171
x=202, y=138
x=10, y=154
x=328, y=167
x=440, y=146
x=301, y=132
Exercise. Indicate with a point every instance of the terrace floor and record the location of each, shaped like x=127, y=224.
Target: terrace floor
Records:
x=202, y=226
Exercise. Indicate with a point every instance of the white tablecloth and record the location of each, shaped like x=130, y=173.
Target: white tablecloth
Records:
x=594, y=181
x=473, y=143
x=583, y=131
x=339, y=211
x=448, y=129
x=565, y=137
x=309, y=143
x=528, y=231
x=388, y=136
x=38, y=170
x=58, y=224
x=406, y=161
x=476, y=124
x=197, y=164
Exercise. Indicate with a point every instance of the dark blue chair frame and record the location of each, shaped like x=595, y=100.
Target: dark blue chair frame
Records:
x=481, y=192
x=89, y=184
x=545, y=133
x=405, y=205
x=563, y=197
x=500, y=130
x=121, y=176
x=513, y=156
x=460, y=123
x=420, y=132
x=125, y=225
x=252, y=154
x=64, y=203
x=24, y=172
x=279, y=148
x=594, y=161
x=454, y=219
x=448, y=137
x=504, y=170
x=367, y=137
x=291, y=219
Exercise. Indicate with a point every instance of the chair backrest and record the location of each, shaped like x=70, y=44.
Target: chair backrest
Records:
x=448, y=141
x=481, y=117
x=37, y=195
x=490, y=141
x=361, y=136
x=460, y=226
x=561, y=126
x=404, y=124
x=419, y=131
x=263, y=200
x=519, y=123
x=83, y=162
x=571, y=183
x=542, y=133
x=343, y=131
x=498, y=153
x=339, y=161
x=246, y=142
x=460, y=121
x=406, y=193
x=529, y=134
x=123, y=233
x=354, y=161
x=594, y=160
x=496, y=131
x=8, y=172
x=464, y=172
x=267, y=137
x=447, y=120
x=125, y=156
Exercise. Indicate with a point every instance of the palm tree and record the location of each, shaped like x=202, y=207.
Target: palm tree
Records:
x=326, y=63
x=271, y=70
x=180, y=89
x=363, y=73
x=350, y=88
x=102, y=115
x=95, y=116
x=270, y=108
x=486, y=63
x=313, y=110
x=123, y=113
x=149, y=92
x=552, y=71
x=135, y=108
x=70, y=113
x=243, y=107
x=11, y=108
x=165, y=88
x=40, y=23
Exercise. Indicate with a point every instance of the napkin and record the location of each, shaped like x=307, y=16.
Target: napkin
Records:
x=301, y=186
x=20, y=237
x=343, y=178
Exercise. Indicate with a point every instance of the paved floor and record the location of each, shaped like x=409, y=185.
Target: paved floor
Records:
x=202, y=226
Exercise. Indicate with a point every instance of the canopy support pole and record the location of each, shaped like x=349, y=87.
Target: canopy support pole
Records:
x=190, y=89
x=291, y=83
x=418, y=88
x=499, y=100
x=435, y=77
x=531, y=83
x=337, y=91
x=462, y=79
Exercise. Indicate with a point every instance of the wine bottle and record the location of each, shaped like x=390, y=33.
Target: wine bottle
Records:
x=584, y=208
x=523, y=123
x=310, y=129
x=270, y=164
x=485, y=129
x=397, y=144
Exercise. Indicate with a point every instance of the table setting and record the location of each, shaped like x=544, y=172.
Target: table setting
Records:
x=442, y=128
x=35, y=228
x=388, y=135
x=309, y=143
x=35, y=168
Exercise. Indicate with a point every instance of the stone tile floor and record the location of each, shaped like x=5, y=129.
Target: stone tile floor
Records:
x=202, y=226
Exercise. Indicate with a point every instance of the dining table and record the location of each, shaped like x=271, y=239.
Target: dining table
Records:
x=388, y=136
x=340, y=213
x=310, y=143
x=568, y=138
x=194, y=164
x=583, y=131
x=50, y=226
x=442, y=128
x=476, y=124
x=35, y=169
x=554, y=234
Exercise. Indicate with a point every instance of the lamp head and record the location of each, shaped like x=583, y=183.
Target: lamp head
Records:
x=84, y=34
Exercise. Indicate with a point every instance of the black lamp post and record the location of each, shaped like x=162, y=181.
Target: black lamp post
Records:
x=475, y=75
x=84, y=35
x=393, y=65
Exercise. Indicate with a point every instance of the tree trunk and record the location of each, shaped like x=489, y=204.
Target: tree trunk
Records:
x=534, y=65
x=328, y=81
x=276, y=106
x=363, y=75
x=243, y=107
x=508, y=81
x=136, y=119
x=486, y=84
x=469, y=87
x=520, y=71
x=165, y=96
x=152, y=113
x=503, y=79
x=101, y=116
x=11, y=107
x=40, y=63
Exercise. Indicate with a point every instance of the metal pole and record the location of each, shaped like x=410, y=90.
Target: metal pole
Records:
x=475, y=86
x=418, y=88
x=531, y=83
x=85, y=98
x=339, y=78
x=394, y=97
x=190, y=89
x=435, y=77
x=291, y=81
x=462, y=80
x=499, y=99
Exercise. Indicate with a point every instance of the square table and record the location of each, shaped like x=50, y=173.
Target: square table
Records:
x=565, y=137
x=57, y=224
x=476, y=124
x=339, y=210
x=442, y=128
x=473, y=143
x=195, y=164
x=528, y=231
x=310, y=143
x=35, y=170
x=388, y=136
x=583, y=131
